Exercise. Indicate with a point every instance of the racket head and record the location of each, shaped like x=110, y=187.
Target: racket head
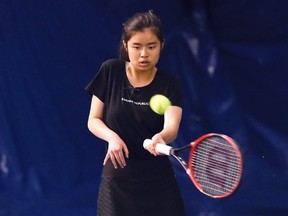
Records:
x=215, y=165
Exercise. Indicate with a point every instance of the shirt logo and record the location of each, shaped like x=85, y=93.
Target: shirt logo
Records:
x=138, y=103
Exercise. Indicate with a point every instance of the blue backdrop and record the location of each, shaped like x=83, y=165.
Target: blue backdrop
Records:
x=230, y=55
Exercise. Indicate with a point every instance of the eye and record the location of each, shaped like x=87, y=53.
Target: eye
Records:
x=136, y=47
x=152, y=47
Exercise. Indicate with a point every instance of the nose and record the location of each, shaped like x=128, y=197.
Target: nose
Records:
x=143, y=53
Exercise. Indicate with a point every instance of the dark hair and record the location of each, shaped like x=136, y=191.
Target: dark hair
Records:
x=139, y=22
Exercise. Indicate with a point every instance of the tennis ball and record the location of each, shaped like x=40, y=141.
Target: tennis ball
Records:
x=159, y=103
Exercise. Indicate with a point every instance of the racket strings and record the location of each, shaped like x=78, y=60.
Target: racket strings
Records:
x=231, y=174
x=216, y=166
x=200, y=155
x=221, y=156
x=217, y=183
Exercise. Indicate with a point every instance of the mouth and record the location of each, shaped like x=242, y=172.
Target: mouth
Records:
x=144, y=63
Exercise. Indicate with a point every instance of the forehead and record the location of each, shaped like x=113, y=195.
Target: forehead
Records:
x=145, y=36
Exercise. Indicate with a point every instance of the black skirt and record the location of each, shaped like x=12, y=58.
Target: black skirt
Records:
x=142, y=188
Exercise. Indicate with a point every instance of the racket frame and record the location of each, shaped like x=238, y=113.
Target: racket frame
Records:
x=190, y=172
x=171, y=151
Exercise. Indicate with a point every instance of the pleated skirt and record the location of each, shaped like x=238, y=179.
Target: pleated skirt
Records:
x=142, y=188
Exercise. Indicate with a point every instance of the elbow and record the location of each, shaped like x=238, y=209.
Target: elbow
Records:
x=174, y=134
x=89, y=124
x=173, y=137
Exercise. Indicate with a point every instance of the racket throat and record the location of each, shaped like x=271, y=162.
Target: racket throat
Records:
x=178, y=158
x=182, y=162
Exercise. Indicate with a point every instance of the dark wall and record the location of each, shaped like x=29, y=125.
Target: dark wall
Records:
x=230, y=55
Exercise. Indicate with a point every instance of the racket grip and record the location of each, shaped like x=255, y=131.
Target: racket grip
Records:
x=161, y=148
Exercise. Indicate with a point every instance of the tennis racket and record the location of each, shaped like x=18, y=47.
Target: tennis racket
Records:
x=214, y=164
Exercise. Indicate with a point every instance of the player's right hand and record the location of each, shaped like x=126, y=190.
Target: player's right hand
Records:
x=117, y=152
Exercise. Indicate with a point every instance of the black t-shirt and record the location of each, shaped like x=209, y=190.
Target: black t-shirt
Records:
x=126, y=109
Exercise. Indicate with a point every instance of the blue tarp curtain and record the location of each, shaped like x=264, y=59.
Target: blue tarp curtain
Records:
x=230, y=55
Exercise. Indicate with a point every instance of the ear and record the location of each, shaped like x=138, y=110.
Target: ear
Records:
x=124, y=45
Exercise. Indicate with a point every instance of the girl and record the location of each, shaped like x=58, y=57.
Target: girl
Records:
x=135, y=181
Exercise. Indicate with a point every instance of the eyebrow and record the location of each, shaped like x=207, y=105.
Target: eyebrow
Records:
x=151, y=43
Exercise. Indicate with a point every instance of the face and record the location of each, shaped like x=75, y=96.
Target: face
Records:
x=144, y=50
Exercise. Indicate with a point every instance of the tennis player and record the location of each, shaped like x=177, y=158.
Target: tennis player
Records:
x=135, y=181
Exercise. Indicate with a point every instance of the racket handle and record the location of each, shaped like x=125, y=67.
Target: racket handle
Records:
x=161, y=148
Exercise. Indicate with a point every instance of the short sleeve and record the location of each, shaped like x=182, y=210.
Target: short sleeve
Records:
x=175, y=92
x=98, y=85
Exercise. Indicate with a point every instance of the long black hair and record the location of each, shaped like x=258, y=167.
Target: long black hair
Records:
x=139, y=22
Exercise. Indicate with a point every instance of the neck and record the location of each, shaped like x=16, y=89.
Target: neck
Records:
x=140, y=78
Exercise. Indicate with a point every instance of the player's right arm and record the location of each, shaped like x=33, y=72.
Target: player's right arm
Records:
x=117, y=149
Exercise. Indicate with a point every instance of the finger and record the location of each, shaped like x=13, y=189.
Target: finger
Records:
x=120, y=159
x=126, y=151
x=106, y=158
x=112, y=157
x=155, y=153
x=152, y=149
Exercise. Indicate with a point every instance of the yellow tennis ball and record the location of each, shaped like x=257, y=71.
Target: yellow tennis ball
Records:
x=159, y=103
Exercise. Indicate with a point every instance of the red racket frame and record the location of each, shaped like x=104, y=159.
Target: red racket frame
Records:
x=190, y=171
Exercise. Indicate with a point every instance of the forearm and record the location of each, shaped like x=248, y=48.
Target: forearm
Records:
x=100, y=129
x=169, y=136
x=170, y=129
x=117, y=150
